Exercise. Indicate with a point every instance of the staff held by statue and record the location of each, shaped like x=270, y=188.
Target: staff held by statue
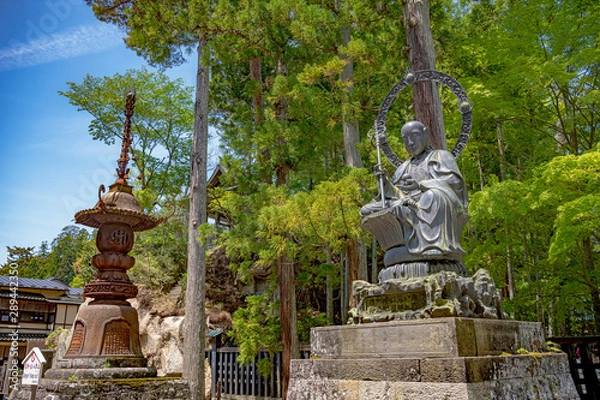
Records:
x=378, y=169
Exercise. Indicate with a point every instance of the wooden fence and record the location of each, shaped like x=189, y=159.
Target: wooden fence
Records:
x=230, y=378
x=584, y=362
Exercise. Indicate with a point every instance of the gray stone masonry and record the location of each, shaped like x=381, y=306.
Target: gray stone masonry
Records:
x=540, y=376
x=432, y=359
x=117, y=389
x=435, y=337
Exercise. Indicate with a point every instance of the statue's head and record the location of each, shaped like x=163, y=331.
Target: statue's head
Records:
x=415, y=137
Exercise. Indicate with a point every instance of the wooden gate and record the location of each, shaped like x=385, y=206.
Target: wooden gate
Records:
x=584, y=362
x=230, y=378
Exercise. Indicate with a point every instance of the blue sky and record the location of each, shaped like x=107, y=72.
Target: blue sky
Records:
x=51, y=168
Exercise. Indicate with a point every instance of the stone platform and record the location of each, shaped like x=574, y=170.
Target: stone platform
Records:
x=445, y=358
x=102, y=389
x=434, y=337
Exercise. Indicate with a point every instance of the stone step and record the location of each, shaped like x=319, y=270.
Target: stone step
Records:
x=543, y=376
x=435, y=337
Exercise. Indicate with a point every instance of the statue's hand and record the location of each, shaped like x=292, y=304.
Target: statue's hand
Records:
x=408, y=202
x=378, y=171
x=407, y=184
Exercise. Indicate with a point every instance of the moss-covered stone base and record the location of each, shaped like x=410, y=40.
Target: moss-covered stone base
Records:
x=118, y=389
x=443, y=294
x=542, y=376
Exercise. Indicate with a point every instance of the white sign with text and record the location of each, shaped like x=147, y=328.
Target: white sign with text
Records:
x=32, y=367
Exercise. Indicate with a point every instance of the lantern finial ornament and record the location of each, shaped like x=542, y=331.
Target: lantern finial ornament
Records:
x=122, y=170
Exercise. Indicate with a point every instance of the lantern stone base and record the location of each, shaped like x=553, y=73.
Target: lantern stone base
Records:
x=78, y=388
x=101, y=373
x=105, y=329
x=105, y=361
x=445, y=358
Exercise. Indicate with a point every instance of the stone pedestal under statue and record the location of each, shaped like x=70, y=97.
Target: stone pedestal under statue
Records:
x=440, y=336
x=431, y=359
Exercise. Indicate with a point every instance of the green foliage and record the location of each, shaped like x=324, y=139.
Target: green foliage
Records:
x=161, y=32
x=52, y=340
x=577, y=221
x=161, y=127
x=77, y=282
x=206, y=232
x=72, y=245
x=23, y=257
x=65, y=257
x=255, y=327
x=264, y=367
x=274, y=223
x=547, y=228
x=82, y=266
x=310, y=319
x=161, y=255
x=304, y=226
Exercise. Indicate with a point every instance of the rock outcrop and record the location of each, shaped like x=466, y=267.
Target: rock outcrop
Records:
x=162, y=343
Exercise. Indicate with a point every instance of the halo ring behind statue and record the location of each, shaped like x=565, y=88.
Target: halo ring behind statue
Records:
x=465, y=108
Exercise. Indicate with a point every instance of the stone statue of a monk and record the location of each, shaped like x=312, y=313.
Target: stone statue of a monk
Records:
x=420, y=223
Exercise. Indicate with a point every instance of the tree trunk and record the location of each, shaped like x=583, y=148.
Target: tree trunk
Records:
x=480, y=169
x=281, y=105
x=349, y=121
x=357, y=267
x=590, y=266
x=196, y=267
x=510, y=275
x=551, y=329
x=290, y=348
x=501, y=150
x=344, y=290
x=287, y=289
x=428, y=106
x=374, y=269
x=538, y=294
x=257, y=98
x=357, y=254
x=258, y=109
x=329, y=290
x=596, y=307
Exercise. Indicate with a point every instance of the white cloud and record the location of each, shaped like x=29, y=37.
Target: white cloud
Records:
x=86, y=39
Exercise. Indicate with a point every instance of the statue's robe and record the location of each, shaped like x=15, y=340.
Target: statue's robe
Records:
x=437, y=219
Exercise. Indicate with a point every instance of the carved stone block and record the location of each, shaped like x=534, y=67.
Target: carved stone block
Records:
x=436, y=337
x=444, y=294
